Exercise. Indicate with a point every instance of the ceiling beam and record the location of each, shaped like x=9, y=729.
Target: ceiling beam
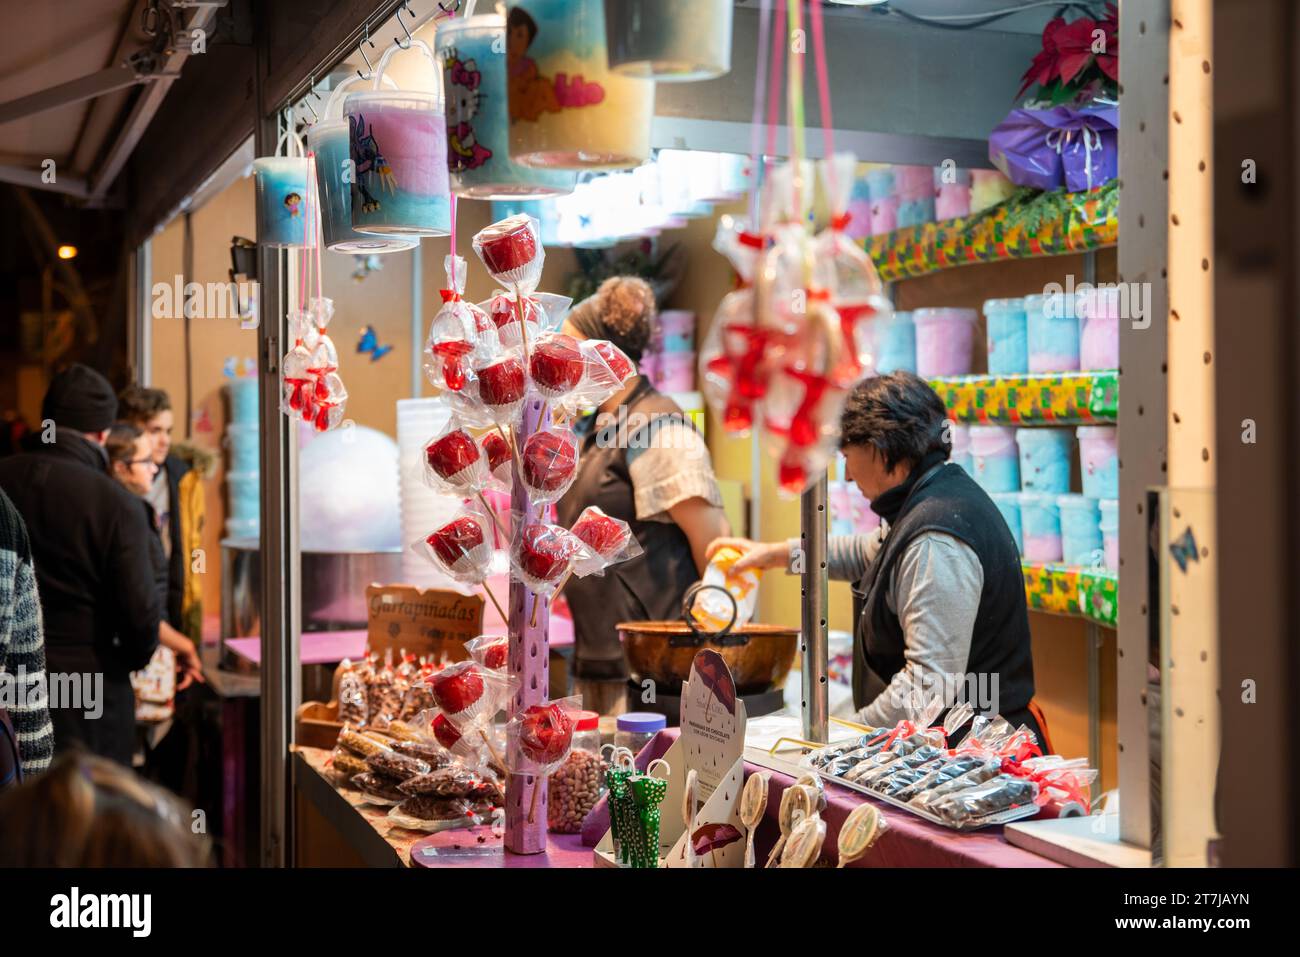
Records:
x=74, y=91
x=32, y=179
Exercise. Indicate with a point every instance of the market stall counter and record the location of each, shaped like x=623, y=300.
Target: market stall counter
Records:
x=909, y=841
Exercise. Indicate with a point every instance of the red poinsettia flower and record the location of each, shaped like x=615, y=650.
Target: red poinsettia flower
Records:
x=1109, y=61
x=1044, y=65
x=1070, y=48
x=1074, y=47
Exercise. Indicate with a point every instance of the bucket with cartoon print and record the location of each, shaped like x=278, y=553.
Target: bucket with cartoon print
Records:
x=283, y=203
x=568, y=110
x=328, y=139
x=472, y=53
x=398, y=143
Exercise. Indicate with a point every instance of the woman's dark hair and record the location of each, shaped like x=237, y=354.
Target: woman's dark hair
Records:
x=120, y=444
x=518, y=16
x=900, y=415
x=138, y=404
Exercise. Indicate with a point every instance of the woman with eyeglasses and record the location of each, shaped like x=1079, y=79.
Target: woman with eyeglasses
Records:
x=131, y=462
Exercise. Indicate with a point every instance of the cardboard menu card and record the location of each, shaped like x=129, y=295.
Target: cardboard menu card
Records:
x=419, y=621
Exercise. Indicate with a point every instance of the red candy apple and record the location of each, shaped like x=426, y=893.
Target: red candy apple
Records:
x=498, y=452
x=456, y=540
x=502, y=382
x=452, y=454
x=495, y=654
x=618, y=362
x=603, y=535
x=508, y=245
x=545, y=733
x=556, y=366
x=444, y=732
x=550, y=461
x=458, y=688
x=545, y=552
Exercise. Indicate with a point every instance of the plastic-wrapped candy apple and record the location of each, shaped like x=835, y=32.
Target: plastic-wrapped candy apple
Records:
x=548, y=464
x=543, y=555
x=491, y=651
x=511, y=250
x=609, y=541
x=845, y=269
x=499, y=459
x=605, y=370
x=454, y=462
x=732, y=352
x=460, y=335
x=470, y=695
x=539, y=738
x=446, y=734
x=556, y=366
x=502, y=386
x=462, y=547
x=296, y=380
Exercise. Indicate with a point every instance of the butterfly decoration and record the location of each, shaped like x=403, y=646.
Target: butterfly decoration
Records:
x=229, y=368
x=1184, y=550
x=365, y=265
x=369, y=342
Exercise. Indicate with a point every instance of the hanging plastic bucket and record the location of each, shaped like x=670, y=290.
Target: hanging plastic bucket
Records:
x=328, y=139
x=567, y=109
x=669, y=40
x=472, y=54
x=283, y=203
x=398, y=142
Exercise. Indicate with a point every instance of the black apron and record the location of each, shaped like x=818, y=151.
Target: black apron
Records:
x=648, y=587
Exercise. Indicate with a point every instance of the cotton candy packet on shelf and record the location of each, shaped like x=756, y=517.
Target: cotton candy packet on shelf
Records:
x=548, y=464
x=609, y=541
x=732, y=352
x=461, y=336
x=542, y=555
x=454, y=462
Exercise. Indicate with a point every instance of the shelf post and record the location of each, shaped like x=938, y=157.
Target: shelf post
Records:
x=814, y=635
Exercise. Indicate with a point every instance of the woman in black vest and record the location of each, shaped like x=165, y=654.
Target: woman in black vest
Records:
x=641, y=460
x=938, y=588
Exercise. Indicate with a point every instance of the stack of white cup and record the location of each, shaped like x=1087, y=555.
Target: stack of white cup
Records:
x=422, y=509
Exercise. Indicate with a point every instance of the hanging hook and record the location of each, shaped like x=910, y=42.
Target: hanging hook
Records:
x=448, y=10
x=361, y=48
x=306, y=100
x=398, y=40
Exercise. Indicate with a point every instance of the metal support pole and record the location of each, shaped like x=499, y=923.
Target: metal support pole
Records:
x=814, y=634
x=281, y=588
x=1092, y=635
x=417, y=323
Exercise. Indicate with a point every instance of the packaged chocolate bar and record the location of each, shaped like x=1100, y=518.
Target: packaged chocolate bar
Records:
x=969, y=808
x=871, y=764
x=377, y=788
x=396, y=767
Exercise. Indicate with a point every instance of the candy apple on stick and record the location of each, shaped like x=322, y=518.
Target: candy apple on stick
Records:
x=539, y=738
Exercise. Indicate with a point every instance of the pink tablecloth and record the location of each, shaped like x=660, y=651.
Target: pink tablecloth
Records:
x=909, y=842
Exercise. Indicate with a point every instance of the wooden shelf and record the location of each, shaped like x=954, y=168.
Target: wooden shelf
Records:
x=1063, y=398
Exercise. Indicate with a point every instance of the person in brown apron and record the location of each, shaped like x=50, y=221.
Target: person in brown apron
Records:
x=641, y=460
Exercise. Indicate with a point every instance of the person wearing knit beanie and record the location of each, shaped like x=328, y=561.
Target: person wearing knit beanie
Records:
x=81, y=400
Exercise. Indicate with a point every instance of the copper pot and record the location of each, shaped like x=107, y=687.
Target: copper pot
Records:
x=759, y=656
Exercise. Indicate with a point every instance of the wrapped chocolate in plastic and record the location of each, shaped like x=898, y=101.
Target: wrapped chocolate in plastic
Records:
x=490, y=651
x=432, y=814
x=384, y=696
x=462, y=547
x=343, y=765
x=419, y=697
x=970, y=807
x=985, y=771
x=453, y=462
x=451, y=781
x=543, y=554
x=362, y=745
x=461, y=335
x=471, y=695
x=398, y=767
x=428, y=751
x=548, y=464
x=353, y=708
x=609, y=541
x=377, y=788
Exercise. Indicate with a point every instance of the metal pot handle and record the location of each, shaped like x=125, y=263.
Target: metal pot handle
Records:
x=699, y=637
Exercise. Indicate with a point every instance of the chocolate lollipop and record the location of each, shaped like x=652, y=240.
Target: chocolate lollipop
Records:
x=753, y=804
x=794, y=799
x=806, y=840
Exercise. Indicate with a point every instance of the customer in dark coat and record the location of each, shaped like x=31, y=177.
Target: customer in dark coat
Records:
x=90, y=541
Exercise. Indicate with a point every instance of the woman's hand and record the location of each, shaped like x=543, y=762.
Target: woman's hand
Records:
x=757, y=555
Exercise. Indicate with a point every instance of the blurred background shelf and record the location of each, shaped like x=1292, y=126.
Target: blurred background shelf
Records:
x=1062, y=398
x=1072, y=590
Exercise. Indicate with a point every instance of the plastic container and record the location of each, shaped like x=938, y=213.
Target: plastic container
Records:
x=282, y=201
x=399, y=153
x=1109, y=512
x=1099, y=329
x=636, y=728
x=944, y=338
x=1008, y=342
x=880, y=184
x=245, y=448
x=895, y=343
x=1053, y=328
x=568, y=110
x=1081, y=541
x=1045, y=456
x=677, y=322
x=951, y=200
x=961, y=448
x=995, y=458
x=329, y=139
x=915, y=212
x=245, y=500
x=576, y=785
x=841, y=509
x=243, y=402
x=1040, y=526
x=1099, y=460
x=676, y=372
x=914, y=182
x=472, y=54
x=669, y=40
x=243, y=527
x=1008, y=504
x=586, y=733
